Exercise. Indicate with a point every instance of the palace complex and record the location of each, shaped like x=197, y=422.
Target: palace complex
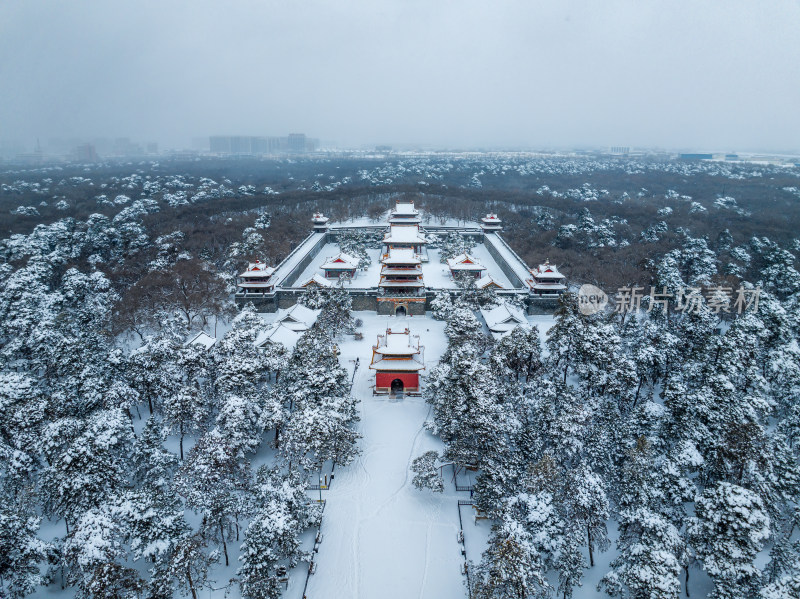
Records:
x=400, y=271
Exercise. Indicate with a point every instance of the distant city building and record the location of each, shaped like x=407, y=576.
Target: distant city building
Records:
x=84, y=153
x=620, y=150
x=695, y=156
x=123, y=146
x=297, y=142
x=249, y=145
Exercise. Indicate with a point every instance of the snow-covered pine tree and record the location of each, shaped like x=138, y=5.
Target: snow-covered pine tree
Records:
x=469, y=411
x=188, y=566
x=519, y=353
x=463, y=327
x=427, y=474
x=728, y=531
x=585, y=507
x=453, y=245
x=94, y=552
x=336, y=316
x=21, y=552
x=651, y=550
x=273, y=535
x=211, y=479
x=186, y=412
x=240, y=420
x=442, y=305
x=88, y=462
x=321, y=431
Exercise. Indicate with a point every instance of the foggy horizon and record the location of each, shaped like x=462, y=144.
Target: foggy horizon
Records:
x=715, y=76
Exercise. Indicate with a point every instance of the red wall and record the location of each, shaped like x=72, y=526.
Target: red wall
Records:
x=384, y=379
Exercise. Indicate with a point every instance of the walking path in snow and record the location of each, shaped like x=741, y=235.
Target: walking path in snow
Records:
x=381, y=536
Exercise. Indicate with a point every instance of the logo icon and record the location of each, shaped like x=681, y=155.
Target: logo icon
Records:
x=591, y=300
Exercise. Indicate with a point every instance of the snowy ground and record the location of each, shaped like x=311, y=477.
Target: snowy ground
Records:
x=382, y=537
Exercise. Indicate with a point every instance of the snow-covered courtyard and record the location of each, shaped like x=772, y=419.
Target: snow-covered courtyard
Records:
x=381, y=536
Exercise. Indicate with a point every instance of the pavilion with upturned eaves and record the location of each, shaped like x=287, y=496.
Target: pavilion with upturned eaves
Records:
x=257, y=278
x=404, y=213
x=397, y=359
x=405, y=237
x=547, y=280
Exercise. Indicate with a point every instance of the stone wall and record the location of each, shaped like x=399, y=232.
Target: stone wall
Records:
x=267, y=302
x=292, y=277
x=539, y=305
x=413, y=306
x=501, y=262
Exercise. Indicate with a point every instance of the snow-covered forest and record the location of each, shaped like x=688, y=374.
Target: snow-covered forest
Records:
x=666, y=441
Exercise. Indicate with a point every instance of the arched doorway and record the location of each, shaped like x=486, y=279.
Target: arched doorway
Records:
x=397, y=388
x=400, y=311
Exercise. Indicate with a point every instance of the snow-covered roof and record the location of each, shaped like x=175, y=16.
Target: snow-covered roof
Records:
x=384, y=282
x=404, y=234
x=491, y=219
x=464, y=262
x=487, y=281
x=279, y=333
x=317, y=279
x=391, y=364
x=396, y=351
x=341, y=262
x=395, y=271
x=397, y=343
x=404, y=209
x=298, y=318
x=547, y=286
x=547, y=271
x=401, y=256
x=319, y=218
x=202, y=339
x=257, y=270
x=503, y=318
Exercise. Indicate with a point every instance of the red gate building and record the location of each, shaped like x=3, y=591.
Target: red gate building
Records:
x=397, y=359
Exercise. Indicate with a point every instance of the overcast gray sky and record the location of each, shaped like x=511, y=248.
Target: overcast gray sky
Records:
x=449, y=73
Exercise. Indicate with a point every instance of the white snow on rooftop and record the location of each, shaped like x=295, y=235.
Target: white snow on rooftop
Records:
x=503, y=318
x=405, y=208
x=465, y=262
x=280, y=334
x=398, y=342
x=404, y=234
x=363, y=279
x=401, y=256
x=298, y=317
x=342, y=261
x=203, y=339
